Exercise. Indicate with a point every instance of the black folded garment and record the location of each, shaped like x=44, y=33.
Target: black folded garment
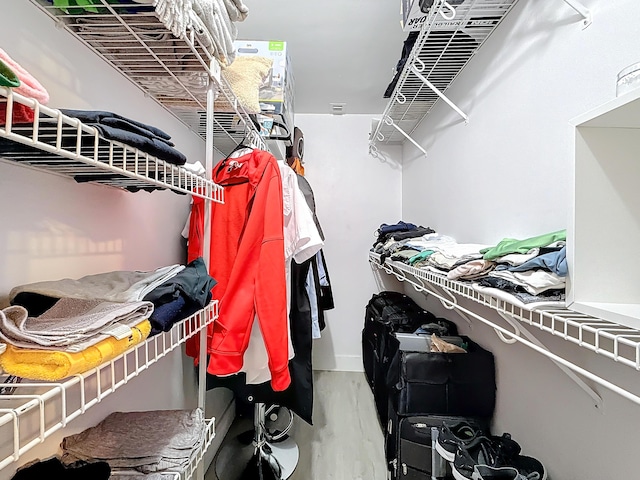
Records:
x=397, y=236
x=98, y=116
x=406, y=50
x=55, y=469
x=180, y=296
x=145, y=138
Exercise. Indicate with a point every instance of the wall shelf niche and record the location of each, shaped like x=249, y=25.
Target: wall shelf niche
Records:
x=604, y=231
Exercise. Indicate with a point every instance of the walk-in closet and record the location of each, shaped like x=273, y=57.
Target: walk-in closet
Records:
x=339, y=240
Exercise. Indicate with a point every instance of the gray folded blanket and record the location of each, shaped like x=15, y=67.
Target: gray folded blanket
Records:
x=71, y=325
x=119, y=286
x=149, y=442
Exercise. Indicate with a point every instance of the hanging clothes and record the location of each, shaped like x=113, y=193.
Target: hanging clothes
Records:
x=301, y=242
x=318, y=276
x=247, y=259
x=299, y=396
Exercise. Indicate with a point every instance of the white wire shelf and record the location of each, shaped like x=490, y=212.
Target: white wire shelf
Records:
x=190, y=471
x=617, y=342
x=173, y=71
x=61, y=144
x=36, y=410
x=441, y=51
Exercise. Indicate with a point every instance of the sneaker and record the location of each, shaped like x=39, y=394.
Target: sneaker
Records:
x=450, y=436
x=485, y=472
x=491, y=451
x=529, y=468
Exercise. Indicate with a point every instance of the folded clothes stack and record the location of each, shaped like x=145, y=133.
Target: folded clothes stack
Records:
x=180, y=296
x=83, y=7
x=14, y=76
x=213, y=21
x=71, y=325
x=146, y=138
x=527, y=272
x=153, y=442
x=55, y=329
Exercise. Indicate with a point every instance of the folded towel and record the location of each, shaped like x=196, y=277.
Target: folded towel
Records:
x=71, y=324
x=237, y=10
x=174, y=14
x=8, y=78
x=214, y=15
x=52, y=365
x=119, y=286
x=29, y=87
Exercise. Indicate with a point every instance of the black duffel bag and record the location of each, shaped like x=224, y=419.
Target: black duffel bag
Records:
x=435, y=383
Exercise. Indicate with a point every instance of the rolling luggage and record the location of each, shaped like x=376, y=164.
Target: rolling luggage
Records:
x=388, y=313
x=411, y=453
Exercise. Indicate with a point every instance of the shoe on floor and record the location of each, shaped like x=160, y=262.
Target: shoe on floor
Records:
x=485, y=472
x=530, y=468
x=450, y=436
x=491, y=451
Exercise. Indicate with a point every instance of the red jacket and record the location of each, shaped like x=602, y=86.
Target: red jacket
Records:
x=247, y=260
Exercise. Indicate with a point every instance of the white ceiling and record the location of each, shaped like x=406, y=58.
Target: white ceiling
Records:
x=342, y=51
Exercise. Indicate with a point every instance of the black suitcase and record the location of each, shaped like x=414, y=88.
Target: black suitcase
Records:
x=388, y=313
x=460, y=384
x=385, y=314
x=408, y=444
x=398, y=311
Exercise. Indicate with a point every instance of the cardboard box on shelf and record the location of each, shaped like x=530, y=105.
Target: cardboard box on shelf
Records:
x=273, y=88
x=276, y=91
x=413, y=18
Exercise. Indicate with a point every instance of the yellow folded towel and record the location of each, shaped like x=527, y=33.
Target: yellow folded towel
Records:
x=54, y=365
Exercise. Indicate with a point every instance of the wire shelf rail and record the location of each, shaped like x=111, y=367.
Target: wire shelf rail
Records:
x=173, y=71
x=33, y=411
x=441, y=51
x=61, y=144
x=617, y=342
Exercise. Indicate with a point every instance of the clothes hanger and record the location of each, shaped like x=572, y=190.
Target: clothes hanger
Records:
x=286, y=136
x=249, y=141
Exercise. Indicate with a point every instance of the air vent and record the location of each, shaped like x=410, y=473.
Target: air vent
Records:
x=337, y=108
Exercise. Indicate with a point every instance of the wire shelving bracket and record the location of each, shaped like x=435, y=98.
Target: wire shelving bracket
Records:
x=584, y=12
x=417, y=72
x=389, y=121
x=618, y=343
x=520, y=330
x=442, y=50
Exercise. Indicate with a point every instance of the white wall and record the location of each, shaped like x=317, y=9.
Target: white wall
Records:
x=54, y=228
x=508, y=173
x=354, y=194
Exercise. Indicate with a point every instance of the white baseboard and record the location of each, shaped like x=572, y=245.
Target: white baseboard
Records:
x=339, y=363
